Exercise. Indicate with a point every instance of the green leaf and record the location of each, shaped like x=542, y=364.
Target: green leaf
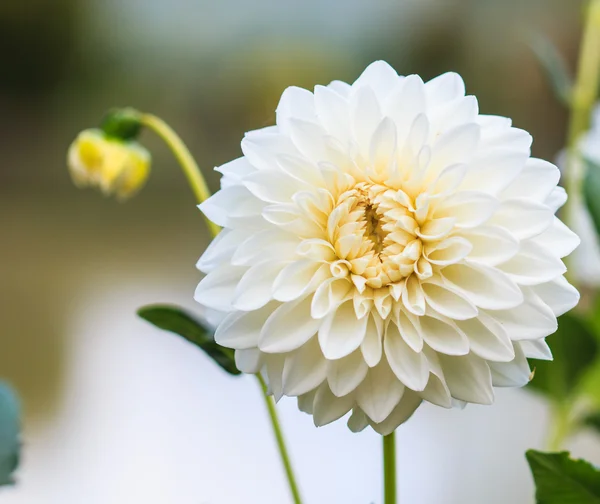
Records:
x=562, y=480
x=591, y=191
x=176, y=320
x=574, y=348
x=593, y=420
x=10, y=444
x=554, y=66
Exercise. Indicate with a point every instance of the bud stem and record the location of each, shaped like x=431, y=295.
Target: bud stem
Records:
x=185, y=159
x=582, y=101
x=389, y=469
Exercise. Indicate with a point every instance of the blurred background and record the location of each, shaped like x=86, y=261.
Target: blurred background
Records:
x=118, y=412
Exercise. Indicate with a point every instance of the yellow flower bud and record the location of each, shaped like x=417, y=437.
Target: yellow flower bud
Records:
x=113, y=165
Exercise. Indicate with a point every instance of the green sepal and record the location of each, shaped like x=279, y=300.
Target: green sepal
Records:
x=122, y=123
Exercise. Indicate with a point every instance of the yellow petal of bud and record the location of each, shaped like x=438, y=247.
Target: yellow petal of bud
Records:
x=114, y=166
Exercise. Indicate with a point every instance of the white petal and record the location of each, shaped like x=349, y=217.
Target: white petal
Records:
x=380, y=77
x=448, y=251
x=328, y=296
x=411, y=367
x=252, y=249
x=366, y=115
x=484, y=286
x=558, y=238
x=249, y=360
x=299, y=278
x=379, y=393
x=492, y=245
x=558, y=294
x=469, y=208
x=273, y=186
x=410, y=328
x=256, y=286
x=511, y=374
x=333, y=112
x=241, y=330
x=491, y=170
x=468, y=377
x=295, y=102
x=289, y=327
x=448, y=302
x=221, y=205
x=405, y=103
x=406, y=407
x=444, y=88
x=222, y=248
x=489, y=341
x=437, y=391
x=358, y=420
x=274, y=373
x=441, y=334
x=345, y=374
x=306, y=401
x=523, y=218
x=341, y=332
x=556, y=199
x=372, y=346
x=328, y=408
x=216, y=289
x=536, y=181
x=454, y=146
x=234, y=171
x=533, y=265
x=536, y=349
x=304, y=369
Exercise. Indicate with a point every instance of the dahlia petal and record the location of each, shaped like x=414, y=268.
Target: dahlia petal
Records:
x=372, y=346
x=401, y=413
x=558, y=238
x=491, y=245
x=532, y=319
x=413, y=297
x=295, y=102
x=328, y=296
x=262, y=147
x=383, y=145
x=222, y=248
x=492, y=170
x=449, y=179
x=306, y=401
x=358, y=421
x=410, y=328
x=496, y=131
x=469, y=208
x=523, y=218
x=379, y=393
x=441, y=334
x=515, y=373
x=252, y=249
x=468, y=377
x=255, y=288
x=328, y=408
x=274, y=373
x=378, y=76
x=410, y=367
x=308, y=137
x=304, y=369
x=556, y=199
x=289, y=327
x=273, y=186
x=300, y=169
x=365, y=116
x=298, y=278
x=444, y=88
x=536, y=349
x=241, y=330
x=447, y=302
x=537, y=180
x=333, y=112
x=533, y=265
x=558, y=294
x=451, y=114
x=249, y=360
x=220, y=205
x=436, y=229
x=484, y=286
x=455, y=146
x=488, y=341
x=405, y=103
x=216, y=289
x=341, y=332
x=345, y=374
x=448, y=251
x=235, y=170
x=437, y=392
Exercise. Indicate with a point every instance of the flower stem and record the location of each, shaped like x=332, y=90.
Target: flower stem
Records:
x=187, y=162
x=270, y=403
x=582, y=101
x=561, y=427
x=389, y=468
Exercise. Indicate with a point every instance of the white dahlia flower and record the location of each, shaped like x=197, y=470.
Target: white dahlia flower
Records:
x=385, y=244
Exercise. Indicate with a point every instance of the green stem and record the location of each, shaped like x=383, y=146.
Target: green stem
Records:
x=561, y=426
x=583, y=98
x=202, y=193
x=285, y=458
x=186, y=161
x=389, y=468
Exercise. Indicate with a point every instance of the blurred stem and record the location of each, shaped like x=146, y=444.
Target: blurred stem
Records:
x=202, y=193
x=389, y=468
x=561, y=426
x=185, y=159
x=270, y=403
x=582, y=101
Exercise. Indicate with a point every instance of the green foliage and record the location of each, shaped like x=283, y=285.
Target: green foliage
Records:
x=554, y=66
x=10, y=444
x=562, y=480
x=176, y=320
x=591, y=191
x=575, y=349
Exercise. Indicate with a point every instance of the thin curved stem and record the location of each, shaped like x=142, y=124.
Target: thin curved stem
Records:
x=185, y=159
x=389, y=469
x=202, y=193
x=583, y=98
x=285, y=458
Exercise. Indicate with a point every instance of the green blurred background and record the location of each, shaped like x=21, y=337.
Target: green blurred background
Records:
x=213, y=70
